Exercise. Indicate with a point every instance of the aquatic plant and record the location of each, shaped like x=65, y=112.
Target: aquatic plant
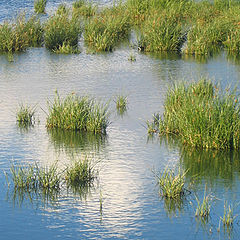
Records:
x=161, y=32
x=62, y=32
x=39, y=6
x=84, y=8
x=22, y=177
x=171, y=185
x=201, y=116
x=132, y=58
x=228, y=215
x=121, y=103
x=203, y=208
x=48, y=178
x=105, y=30
x=78, y=113
x=33, y=178
x=81, y=172
x=19, y=35
x=25, y=115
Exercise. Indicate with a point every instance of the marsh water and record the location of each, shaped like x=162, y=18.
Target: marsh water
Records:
x=124, y=202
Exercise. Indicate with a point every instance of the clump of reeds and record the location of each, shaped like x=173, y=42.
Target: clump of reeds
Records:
x=121, y=103
x=80, y=173
x=78, y=113
x=228, y=216
x=105, y=30
x=39, y=6
x=25, y=115
x=161, y=32
x=32, y=178
x=203, y=208
x=19, y=35
x=84, y=8
x=201, y=116
x=62, y=32
x=171, y=185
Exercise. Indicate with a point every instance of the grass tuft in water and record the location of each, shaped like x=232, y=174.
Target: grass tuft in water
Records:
x=106, y=30
x=171, y=185
x=78, y=113
x=39, y=6
x=201, y=115
x=203, y=208
x=20, y=34
x=62, y=32
x=33, y=178
x=80, y=173
x=228, y=216
x=121, y=103
x=25, y=115
x=84, y=8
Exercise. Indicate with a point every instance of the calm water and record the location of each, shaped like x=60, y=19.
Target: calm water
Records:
x=132, y=208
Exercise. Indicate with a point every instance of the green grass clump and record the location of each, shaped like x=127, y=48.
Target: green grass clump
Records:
x=17, y=36
x=33, y=178
x=161, y=32
x=201, y=116
x=203, y=208
x=62, y=32
x=39, y=6
x=121, y=103
x=48, y=178
x=80, y=173
x=25, y=115
x=228, y=216
x=78, y=113
x=171, y=185
x=84, y=8
x=104, y=31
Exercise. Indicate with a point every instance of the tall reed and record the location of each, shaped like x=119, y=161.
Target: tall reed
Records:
x=78, y=113
x=201, y=115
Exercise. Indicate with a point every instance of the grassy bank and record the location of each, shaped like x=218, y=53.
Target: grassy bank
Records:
x=186, y=27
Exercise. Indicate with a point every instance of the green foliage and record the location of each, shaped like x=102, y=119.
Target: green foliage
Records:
x=171, y=185
x=62, y=32
x=104, y=31
x=203, y=208
x=84, y=8
x=32, y=178
x=25, y=115
x=18, y=36
x=201, y=116
x=39, y=6
x=228, y=215
x=79, y=173
x=121, y=103
x=161, y=33
x=78, y=113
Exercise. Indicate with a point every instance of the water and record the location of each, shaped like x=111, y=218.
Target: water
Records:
x=131, y=206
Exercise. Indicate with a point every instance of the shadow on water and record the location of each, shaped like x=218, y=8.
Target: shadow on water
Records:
x=74, y=141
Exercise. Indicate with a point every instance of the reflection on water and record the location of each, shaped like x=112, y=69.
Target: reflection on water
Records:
x=211, y=166
x=76, y=141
